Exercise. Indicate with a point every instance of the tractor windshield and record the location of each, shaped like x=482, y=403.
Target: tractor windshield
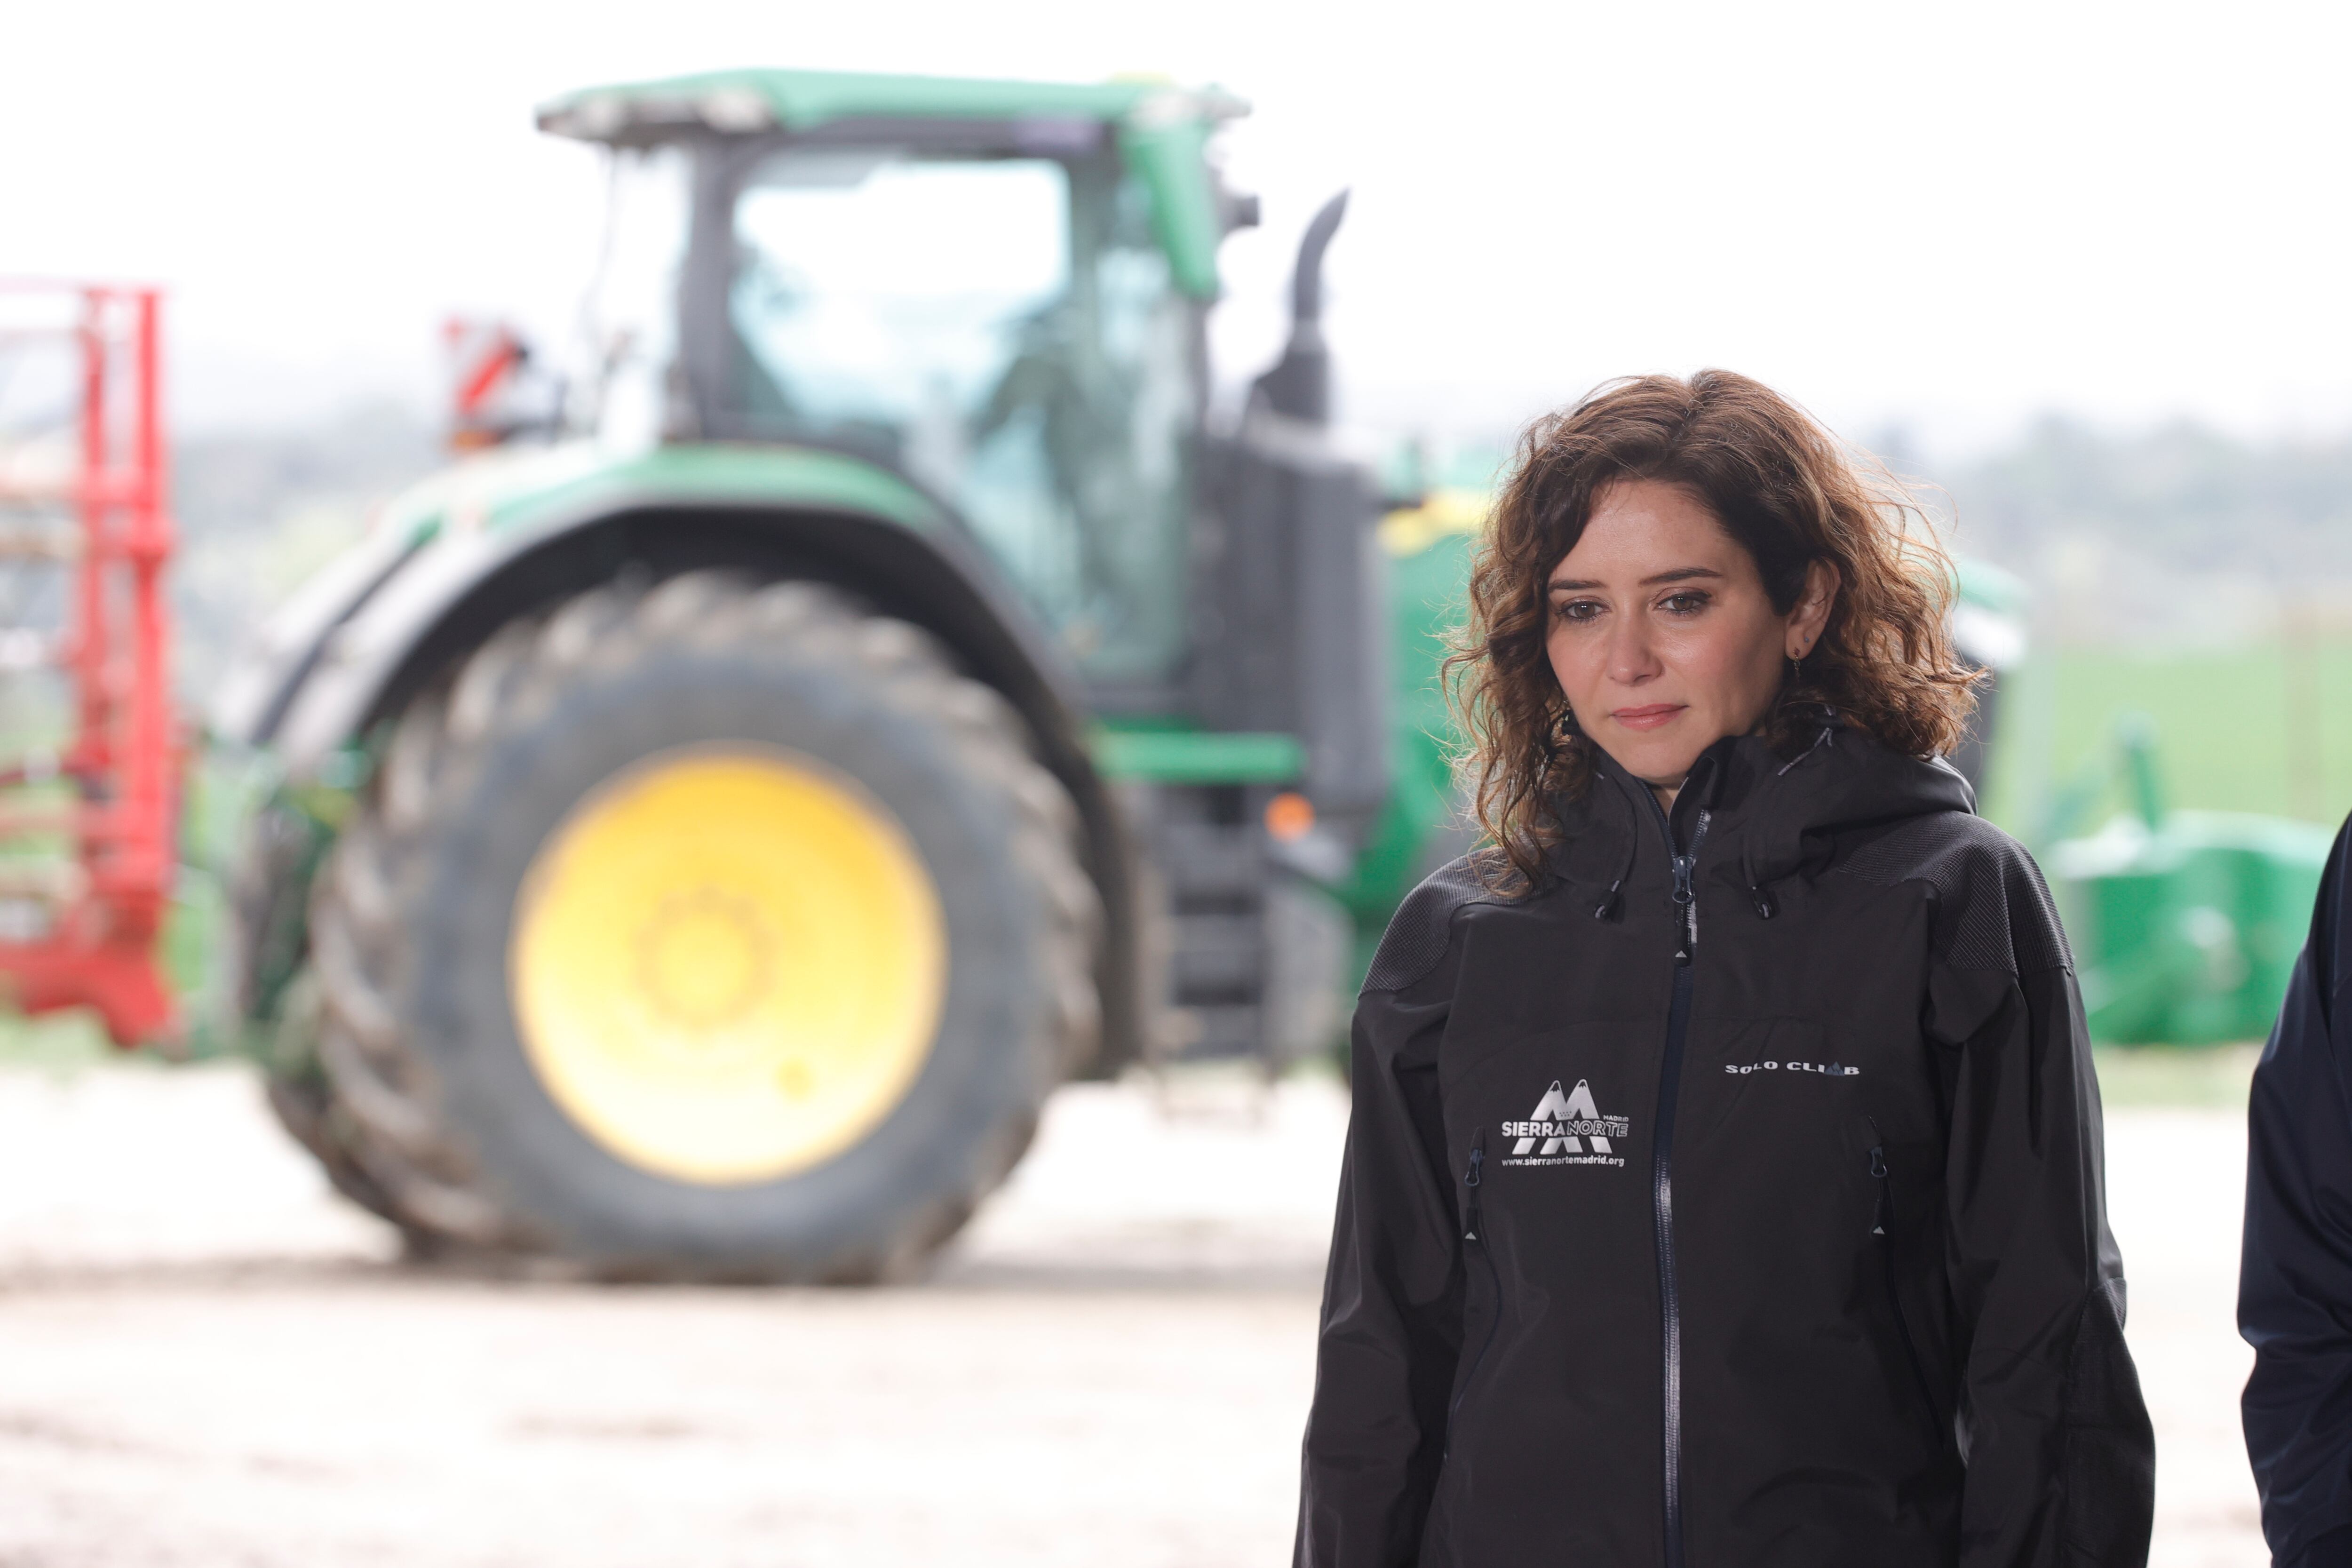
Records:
x=1007, y=332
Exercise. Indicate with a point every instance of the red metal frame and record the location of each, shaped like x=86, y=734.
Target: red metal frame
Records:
x=106, y=910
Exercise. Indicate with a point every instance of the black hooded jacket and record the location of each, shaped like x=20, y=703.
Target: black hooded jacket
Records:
x=1734, y=1202
x=2295, y=1282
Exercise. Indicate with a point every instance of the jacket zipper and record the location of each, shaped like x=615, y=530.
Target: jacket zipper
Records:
x=1883, y=1227
x=1662, y=1180
x=1473, y=1234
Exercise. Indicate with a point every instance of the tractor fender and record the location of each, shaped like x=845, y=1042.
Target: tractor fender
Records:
x=381, y=625
x=405, y=614
x=261, y=684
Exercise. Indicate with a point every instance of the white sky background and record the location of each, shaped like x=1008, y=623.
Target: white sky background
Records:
x=1949, y=217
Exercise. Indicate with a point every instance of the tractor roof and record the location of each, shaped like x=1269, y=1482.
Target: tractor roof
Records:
x=748, y=102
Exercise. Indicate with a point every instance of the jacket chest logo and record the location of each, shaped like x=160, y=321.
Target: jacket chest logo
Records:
x=1564, y=1123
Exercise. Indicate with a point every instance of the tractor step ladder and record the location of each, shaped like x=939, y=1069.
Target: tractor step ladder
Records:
x=1214, y=864
x=88, y=785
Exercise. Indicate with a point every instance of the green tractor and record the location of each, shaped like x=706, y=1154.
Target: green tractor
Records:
x=708, y=828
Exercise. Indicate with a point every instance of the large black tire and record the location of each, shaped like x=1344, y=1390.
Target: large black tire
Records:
x=427, y=1096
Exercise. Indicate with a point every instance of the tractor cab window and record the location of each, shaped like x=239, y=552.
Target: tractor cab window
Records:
x=1006, y=332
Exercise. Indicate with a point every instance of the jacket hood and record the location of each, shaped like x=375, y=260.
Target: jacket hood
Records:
x=1781, y=814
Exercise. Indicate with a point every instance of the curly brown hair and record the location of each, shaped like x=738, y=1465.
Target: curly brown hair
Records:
x=1791, y=494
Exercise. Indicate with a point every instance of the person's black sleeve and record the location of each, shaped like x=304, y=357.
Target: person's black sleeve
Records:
x=2060, y=1455
x=1392, y=1322
x=2294, y=1277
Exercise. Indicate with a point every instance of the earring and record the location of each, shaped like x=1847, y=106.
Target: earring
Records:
x=1564, y=731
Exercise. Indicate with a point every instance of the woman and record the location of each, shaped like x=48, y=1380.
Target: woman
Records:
x=1724, y=1188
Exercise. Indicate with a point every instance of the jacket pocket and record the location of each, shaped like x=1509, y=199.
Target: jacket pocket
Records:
x=1475, y=1255
x=1883, y=1231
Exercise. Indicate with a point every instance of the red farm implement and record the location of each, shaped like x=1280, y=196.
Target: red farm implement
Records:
x=88, y=745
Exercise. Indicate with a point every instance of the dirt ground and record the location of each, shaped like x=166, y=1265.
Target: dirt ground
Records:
x=204, y=1359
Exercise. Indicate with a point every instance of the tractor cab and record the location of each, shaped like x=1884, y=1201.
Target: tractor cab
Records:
x=997, y=290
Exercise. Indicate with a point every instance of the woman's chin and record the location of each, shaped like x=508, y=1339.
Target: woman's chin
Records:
x=1660, y=760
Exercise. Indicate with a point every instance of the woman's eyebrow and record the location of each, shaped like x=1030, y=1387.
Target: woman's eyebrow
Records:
x=1679, y=574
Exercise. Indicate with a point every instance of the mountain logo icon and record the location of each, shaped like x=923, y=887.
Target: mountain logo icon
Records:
x=1565, y=1120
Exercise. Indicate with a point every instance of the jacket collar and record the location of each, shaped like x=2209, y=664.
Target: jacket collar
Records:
x=1783, y=813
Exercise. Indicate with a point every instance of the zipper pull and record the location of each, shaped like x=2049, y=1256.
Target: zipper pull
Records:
x=1685, y=895
x=1885, y=1193
x=1471, y=1179
x=1683, y=900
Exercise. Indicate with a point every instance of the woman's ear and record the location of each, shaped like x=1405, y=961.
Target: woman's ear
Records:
x=1812, y=608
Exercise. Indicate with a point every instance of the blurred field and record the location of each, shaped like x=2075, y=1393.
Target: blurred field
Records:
x=2141, y=1078
x=2264, y=730
x=205, y=1358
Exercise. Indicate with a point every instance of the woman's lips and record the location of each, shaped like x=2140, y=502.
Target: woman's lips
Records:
x=1646, y=718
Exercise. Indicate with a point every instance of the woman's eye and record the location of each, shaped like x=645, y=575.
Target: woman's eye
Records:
x=1683, y=604
x=1578, y=610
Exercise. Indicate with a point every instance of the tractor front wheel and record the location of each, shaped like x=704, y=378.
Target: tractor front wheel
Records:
x=724, y=931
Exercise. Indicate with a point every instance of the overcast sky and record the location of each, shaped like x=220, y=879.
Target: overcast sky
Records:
x=1949, y=217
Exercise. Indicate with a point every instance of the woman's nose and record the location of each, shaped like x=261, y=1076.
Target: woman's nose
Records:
x=1632, y=658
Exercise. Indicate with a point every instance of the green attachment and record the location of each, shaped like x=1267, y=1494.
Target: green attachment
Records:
x=1197, y=757
x=1428, y=548
x=2186, y=935
x=2186, y=924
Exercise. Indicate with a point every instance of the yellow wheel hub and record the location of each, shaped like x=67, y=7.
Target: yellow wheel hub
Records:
x=726, y=965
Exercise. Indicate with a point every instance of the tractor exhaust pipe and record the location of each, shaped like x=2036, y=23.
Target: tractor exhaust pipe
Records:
x=1299, y=385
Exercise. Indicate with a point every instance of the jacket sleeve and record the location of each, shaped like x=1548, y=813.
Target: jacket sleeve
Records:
x=2060, y=1457
x=2294, y=1279
x=1391, y=1300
